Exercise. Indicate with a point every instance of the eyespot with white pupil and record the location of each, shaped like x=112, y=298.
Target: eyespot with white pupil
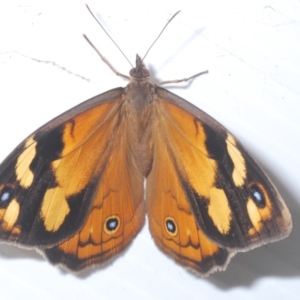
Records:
x=257, y=195
x=112, y=224
x=6, y=195
x=170, y=226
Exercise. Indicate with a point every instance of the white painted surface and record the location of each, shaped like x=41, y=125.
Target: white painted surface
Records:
x=251, y=49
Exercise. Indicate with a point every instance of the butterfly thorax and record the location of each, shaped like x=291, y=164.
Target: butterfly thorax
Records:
x=139, y=96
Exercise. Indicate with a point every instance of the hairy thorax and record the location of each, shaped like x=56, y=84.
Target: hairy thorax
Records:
x=139, y=99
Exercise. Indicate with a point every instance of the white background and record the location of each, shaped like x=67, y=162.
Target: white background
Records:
x=252, y=52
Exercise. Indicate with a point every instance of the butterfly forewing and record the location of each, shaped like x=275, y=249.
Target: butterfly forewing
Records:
x=47, y=183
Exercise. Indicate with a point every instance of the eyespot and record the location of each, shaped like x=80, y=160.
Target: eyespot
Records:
x=6, y=194
x=170, y=226
x=257, y=195
x=112, y=224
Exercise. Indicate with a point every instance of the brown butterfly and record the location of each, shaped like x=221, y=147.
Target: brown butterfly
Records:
x=74, y=189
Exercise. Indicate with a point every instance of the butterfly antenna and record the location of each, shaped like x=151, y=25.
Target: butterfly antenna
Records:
x=160, y=34
x=111, y=37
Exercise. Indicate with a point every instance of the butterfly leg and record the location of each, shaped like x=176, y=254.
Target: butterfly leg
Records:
x=183, y=79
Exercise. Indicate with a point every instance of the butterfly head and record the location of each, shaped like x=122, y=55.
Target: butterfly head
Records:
x=140, y=71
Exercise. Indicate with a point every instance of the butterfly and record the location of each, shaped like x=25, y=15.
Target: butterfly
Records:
x=75, y=189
